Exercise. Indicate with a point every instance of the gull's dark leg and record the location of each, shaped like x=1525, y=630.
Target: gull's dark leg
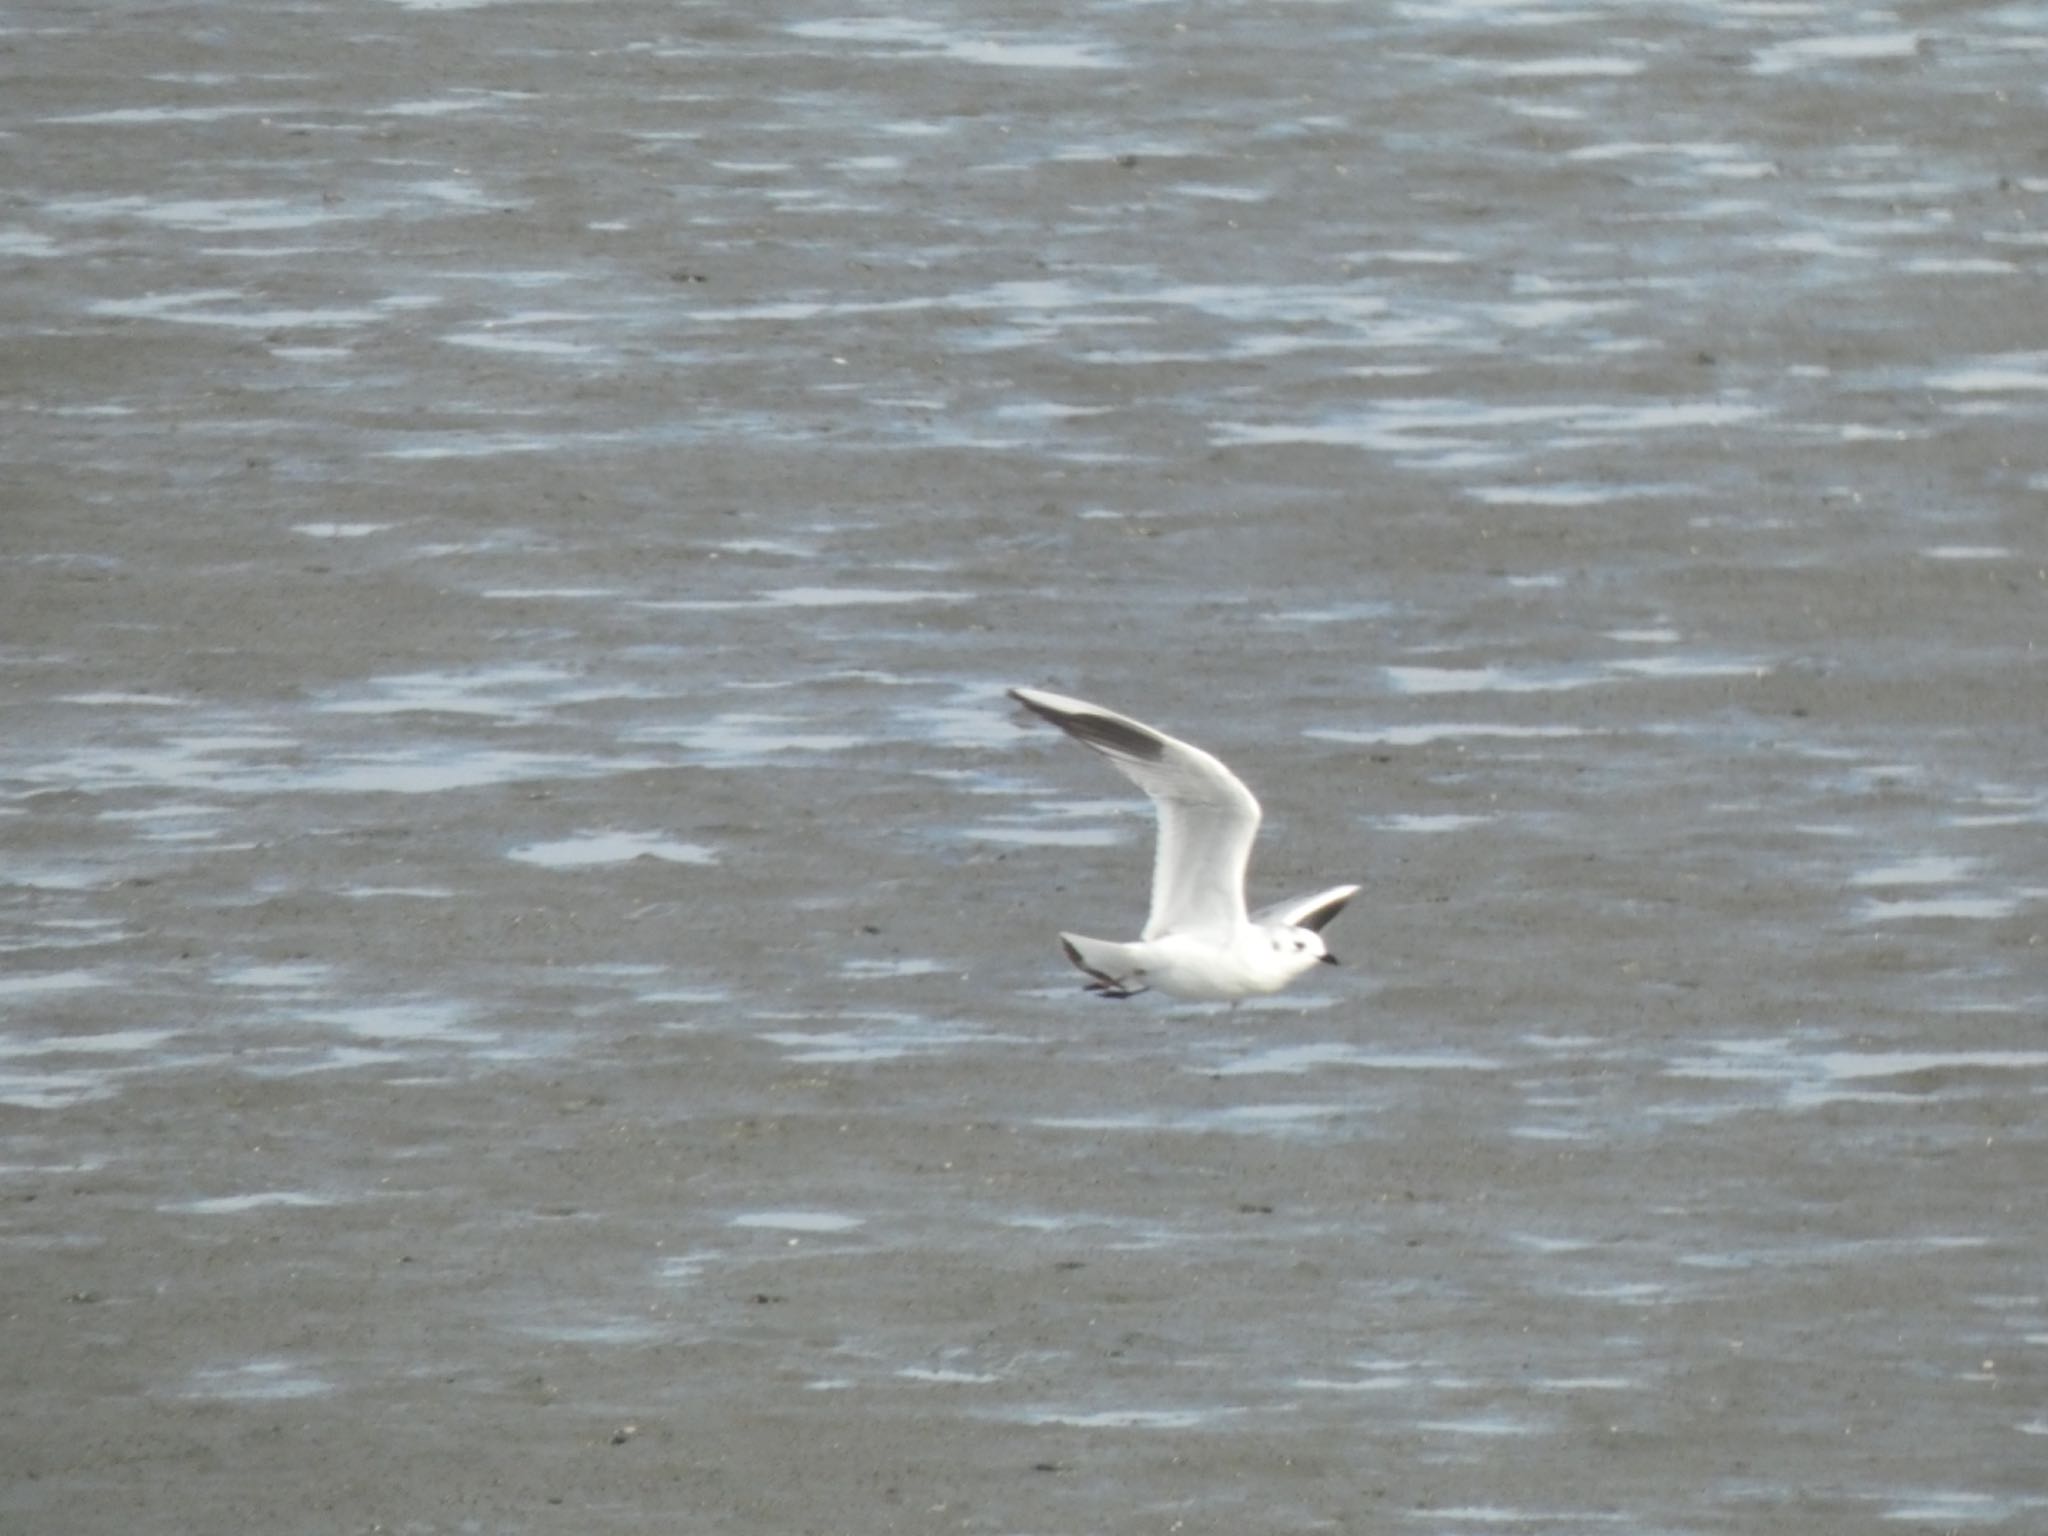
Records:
x=1110, y=987
x=1101, y=983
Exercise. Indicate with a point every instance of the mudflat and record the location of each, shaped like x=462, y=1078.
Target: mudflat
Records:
x=530, y=997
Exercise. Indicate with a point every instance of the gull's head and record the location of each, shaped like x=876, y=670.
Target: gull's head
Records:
x=1302, y=948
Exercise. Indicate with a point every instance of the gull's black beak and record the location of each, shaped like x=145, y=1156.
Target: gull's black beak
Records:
x=1327, y=958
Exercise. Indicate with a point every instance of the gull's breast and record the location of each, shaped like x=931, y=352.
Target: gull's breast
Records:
x=1215, y=968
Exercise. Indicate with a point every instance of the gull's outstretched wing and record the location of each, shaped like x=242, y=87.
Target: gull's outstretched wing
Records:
x=1308, y=911
x=1207, y=819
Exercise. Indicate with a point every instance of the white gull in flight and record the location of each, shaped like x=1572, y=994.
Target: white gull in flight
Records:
x=1199, y=942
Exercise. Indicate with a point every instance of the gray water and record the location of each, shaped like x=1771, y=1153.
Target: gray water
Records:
x=529, y=996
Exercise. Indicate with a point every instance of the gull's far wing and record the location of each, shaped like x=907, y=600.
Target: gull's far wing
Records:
x=1308, y=911
x=1207, y=818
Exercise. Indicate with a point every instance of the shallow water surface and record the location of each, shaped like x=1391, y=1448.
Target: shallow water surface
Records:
x=528, y=976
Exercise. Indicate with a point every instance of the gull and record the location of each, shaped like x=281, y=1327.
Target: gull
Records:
x=1199, y=942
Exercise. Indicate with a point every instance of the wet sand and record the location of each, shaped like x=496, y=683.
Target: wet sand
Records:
x=530, y=998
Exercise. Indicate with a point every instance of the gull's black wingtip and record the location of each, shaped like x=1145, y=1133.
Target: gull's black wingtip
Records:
x=1094, y=726
x=1024, y=696
x=1319, y=917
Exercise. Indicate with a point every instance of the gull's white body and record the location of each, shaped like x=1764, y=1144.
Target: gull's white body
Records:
x=1199, y=942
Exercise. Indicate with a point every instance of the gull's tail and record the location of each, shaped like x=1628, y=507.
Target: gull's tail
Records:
x=1113, y=967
